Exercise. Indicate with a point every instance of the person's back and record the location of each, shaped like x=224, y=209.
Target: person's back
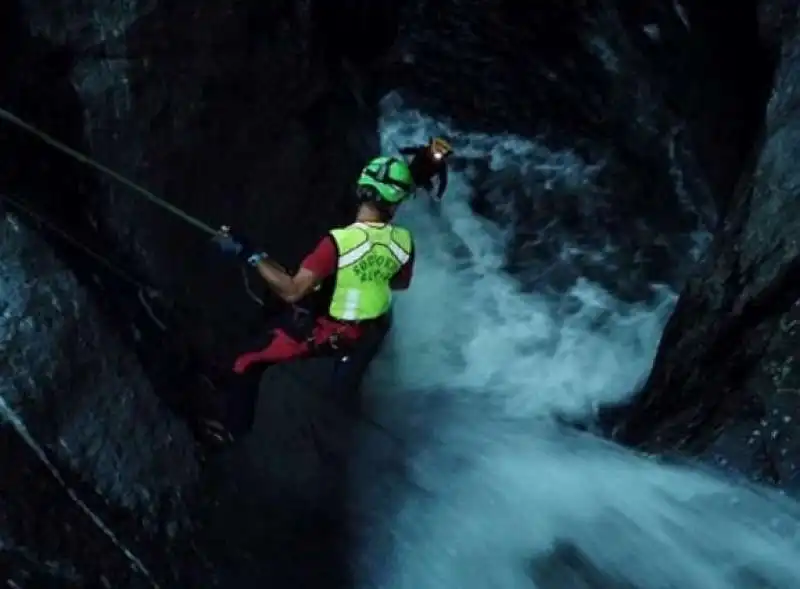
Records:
x=370, y=257
x=366, y=261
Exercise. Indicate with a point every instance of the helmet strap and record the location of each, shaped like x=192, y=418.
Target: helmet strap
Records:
x=366, y=193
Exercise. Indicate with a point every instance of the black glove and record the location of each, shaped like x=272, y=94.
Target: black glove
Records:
x=237, y=246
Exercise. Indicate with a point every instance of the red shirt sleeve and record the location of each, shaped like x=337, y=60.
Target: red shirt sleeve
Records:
x=322, y=262
x=402, y=280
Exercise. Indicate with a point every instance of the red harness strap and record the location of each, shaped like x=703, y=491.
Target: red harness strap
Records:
x=326, y=333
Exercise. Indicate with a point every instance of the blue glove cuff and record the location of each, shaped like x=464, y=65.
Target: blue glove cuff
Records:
x=254, y=259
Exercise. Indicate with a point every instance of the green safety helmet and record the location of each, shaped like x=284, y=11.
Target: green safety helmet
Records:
x=386, y=179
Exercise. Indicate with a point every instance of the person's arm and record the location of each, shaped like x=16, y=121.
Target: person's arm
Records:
x=402, y=280
x=317, y=266
x=442, y=182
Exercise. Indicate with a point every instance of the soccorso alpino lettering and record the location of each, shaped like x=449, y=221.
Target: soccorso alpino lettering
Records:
x=376, y=267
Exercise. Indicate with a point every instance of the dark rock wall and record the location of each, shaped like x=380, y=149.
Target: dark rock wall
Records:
x=724, y=382
x=259, y=115
x=237, y=132
x=75, y=393
x=238, y=113
x=660, y=96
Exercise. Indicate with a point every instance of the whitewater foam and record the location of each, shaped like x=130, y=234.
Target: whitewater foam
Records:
x=471, y=327
x=473, y=373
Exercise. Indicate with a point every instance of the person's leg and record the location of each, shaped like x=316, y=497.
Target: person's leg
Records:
x=240, y=384
x=281, y=347
x=350, y=370
x=240, y=390
x=312, y=337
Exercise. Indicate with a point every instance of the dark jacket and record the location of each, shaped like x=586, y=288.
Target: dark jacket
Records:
x=423, y=168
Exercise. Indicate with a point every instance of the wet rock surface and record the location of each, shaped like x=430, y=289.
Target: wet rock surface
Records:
x=724, y=385
x=259, y=115
x=619, y=97
x=99, y=474
x=282, y=493
x=239, y=113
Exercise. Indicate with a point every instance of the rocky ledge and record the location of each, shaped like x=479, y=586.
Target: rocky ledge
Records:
x=725, y=382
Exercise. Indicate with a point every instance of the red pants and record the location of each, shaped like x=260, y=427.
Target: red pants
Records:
x=285, y=347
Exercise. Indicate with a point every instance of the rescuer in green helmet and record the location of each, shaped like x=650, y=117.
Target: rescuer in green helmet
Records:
x=366, y=261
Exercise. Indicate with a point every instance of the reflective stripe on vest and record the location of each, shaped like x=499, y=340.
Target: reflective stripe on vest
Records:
x=369, y=257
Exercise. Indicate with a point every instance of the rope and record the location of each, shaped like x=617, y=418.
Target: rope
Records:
x=19, y=426
x=144, y=291
x=144, y=288
x=83, y=158
x=248, y=289
x=100, y=259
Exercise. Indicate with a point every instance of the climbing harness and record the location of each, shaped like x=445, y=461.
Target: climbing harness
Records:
x=304, y=326
x=145, y=289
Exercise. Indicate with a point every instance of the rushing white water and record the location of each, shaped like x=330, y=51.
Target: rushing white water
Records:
x=480, y=369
